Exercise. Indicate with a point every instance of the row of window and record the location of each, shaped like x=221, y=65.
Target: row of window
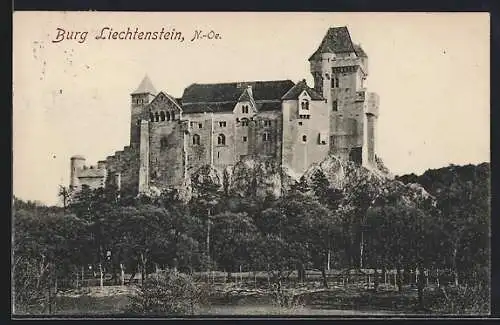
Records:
x=221, y=139
x=140, y=101
x=223, y=124
x=321, y=138
x=161, y=116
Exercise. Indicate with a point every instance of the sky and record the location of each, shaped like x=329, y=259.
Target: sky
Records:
x=431, y=71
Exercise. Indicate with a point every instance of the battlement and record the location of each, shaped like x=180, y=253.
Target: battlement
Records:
x=91, y=172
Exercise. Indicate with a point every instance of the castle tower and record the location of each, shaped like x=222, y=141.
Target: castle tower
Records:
x=142, y=96
x=339, y=68
x=77, y=163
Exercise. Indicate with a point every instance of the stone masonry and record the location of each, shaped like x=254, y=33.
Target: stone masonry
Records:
x=280, y=122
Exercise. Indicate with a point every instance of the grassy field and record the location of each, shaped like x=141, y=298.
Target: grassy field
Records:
x=344, y=300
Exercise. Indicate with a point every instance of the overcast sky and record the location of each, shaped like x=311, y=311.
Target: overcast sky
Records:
x=430, y=70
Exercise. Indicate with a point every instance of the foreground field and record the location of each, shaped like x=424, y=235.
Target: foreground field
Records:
x=240, y=301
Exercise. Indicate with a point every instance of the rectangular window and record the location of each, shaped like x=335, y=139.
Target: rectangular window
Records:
x=265, y=136
x=200, y=125
x=245, y=139
x=300, y=122
x=267, y=123
x=222, y=124
x=322, y=138
x=335, y=106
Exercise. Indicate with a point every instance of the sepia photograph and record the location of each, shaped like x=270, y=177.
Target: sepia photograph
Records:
x=250, y=164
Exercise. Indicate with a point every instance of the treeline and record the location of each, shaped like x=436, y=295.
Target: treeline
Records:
x=369, y=222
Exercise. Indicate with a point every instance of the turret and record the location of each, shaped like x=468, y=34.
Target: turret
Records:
x=77, y=163
x=140, y=98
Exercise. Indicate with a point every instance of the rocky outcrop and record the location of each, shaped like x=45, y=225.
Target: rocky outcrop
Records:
x=262, y=178
x=333, y=169
x=254, y=177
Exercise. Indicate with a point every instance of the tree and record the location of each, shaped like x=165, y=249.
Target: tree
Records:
x=234, y=234
x=167, y=293
x=47, y=247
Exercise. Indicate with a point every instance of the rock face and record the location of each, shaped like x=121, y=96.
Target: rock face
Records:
x=331, y=167
x=262, y=178
x=254, y=177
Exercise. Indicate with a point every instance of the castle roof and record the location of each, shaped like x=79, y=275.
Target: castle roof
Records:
x=221, y=97
x=336, y=40
x=145, y=87
x=300, y=87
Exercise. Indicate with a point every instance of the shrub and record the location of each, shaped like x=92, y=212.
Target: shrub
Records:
x=460, y=300
x=167, y=293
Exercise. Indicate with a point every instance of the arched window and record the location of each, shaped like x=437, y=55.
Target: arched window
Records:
x=157, y=117
x=168, y=116
x=221, y=139
x=152, y=117
x=196, y=139
x=304, y=138
x=172, y=115
x=244, y=122
x=162, y=116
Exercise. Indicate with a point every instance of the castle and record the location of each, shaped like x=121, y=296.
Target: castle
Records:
x=219, y=124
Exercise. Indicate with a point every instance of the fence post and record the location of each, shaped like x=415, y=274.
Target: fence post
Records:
x=122, y=272
x=101, y=276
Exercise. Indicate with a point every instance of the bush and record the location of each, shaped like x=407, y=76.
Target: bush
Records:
x=168, y=293
x=460, y=300
x=285, y=298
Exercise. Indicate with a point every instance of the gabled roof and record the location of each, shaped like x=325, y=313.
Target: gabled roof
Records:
x=245, y=97
x=223, y=92
x=224, y=96
x=269, y=106
x=145, y=87
x=161, y=96
x=336, y=40
x=296, y=90
x=208, y=107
